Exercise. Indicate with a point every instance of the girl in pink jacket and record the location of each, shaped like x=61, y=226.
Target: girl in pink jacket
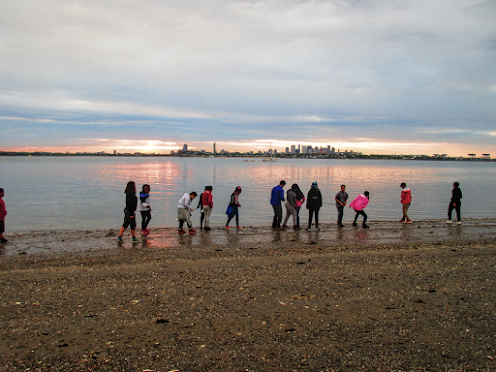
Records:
x=358, y=205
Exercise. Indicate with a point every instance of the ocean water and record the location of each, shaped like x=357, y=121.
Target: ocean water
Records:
x=86, y=193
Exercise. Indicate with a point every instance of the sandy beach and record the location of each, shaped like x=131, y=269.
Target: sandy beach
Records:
x=392, y=298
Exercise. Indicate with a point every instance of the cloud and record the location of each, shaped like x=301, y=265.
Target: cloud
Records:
x=269, y=68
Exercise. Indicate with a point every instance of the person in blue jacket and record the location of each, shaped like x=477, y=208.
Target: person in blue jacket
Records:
x=277, y=196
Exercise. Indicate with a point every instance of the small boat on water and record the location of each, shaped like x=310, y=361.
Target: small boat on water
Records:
x=272, y=159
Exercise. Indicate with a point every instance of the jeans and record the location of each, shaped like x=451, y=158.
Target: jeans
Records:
x=146, y=216
x=276, y=221
x=207, y=210
x=457, y=209
x=340, y=214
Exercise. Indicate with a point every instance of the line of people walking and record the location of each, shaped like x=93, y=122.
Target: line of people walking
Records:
x=294, y=200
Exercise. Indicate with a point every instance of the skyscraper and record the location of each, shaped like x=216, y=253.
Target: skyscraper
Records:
x=215, y=151
x=185, y=148
x=293, y=149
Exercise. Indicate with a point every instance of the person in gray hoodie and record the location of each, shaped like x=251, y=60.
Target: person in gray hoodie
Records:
x=290, y=207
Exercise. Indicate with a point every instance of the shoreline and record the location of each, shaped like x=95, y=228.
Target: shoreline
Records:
x=53, y=242
x=414, y=298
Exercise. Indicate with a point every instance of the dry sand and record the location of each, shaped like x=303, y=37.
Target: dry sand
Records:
x=392, y=298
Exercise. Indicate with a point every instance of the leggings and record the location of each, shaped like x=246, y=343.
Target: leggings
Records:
x=146, y=216
x=360, y=213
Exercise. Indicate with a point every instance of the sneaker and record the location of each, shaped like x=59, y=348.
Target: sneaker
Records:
x=449, y=221
x=365, y=226
x=354, y=224
x=207, y=228
x=239, y=227
x=119, y=239
x=340, y=225
x=181, y=231
x=408, y=221
x=401, y=221
x=4, y=240
x=227, y=227
x=135, y=239
x=192, y=231
x=459, y=223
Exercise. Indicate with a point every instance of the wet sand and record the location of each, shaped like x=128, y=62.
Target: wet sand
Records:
x=417, y=297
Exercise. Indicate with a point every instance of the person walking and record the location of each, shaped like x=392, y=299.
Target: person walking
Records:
x=291, y=207
x=314, y=202
x=406, y=200
x=300, y=199
x=3, y=214
x=455, y=203
x=184, y=212
x=129, y=211
x=145, y=209
x=207, y=205
x=341, y=198
x=277, y=196
x=358, y=205
x=232, y=209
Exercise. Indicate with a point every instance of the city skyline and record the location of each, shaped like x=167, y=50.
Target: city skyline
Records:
x=375, y=77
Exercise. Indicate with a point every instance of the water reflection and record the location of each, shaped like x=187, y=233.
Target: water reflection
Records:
x=88, y=193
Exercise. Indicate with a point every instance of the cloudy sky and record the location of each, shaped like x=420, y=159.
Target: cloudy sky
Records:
x=378, y=76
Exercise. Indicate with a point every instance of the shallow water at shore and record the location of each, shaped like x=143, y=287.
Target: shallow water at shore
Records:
x=251, y=237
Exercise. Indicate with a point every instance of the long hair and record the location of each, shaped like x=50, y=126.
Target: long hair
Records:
x=130, y=188
x=296, y=189
x=143, y=188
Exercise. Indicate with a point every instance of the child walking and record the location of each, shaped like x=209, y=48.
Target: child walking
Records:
x=145, y=209
x=233, y=207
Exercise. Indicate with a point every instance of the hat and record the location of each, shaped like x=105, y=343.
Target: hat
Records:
x=403, y=184
x=314, y=185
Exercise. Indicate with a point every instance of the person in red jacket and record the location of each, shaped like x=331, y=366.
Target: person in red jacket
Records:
x=406, y=199
x=3, y=214
x=207, y=205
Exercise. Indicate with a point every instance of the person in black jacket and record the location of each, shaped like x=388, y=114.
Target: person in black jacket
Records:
x=455, y=203
x=314, y=202
x=129, y=211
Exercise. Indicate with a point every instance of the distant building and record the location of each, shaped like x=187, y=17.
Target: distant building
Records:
x=275, y=151
x=215, y=151
x=115, y=152
x=303, y=149
x=185, y=148
x=293, y=149
x=486, y=156
x=287, y=150
x=333, y=150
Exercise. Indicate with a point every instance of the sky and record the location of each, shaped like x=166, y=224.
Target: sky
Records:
x=375, y=76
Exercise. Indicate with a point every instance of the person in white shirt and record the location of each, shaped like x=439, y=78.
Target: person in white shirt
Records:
x=184, y=212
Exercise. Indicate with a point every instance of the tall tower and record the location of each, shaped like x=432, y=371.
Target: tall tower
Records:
x=215, y=151
x=185, y=148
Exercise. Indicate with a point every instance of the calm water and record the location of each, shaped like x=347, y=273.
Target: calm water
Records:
x=73, y=193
